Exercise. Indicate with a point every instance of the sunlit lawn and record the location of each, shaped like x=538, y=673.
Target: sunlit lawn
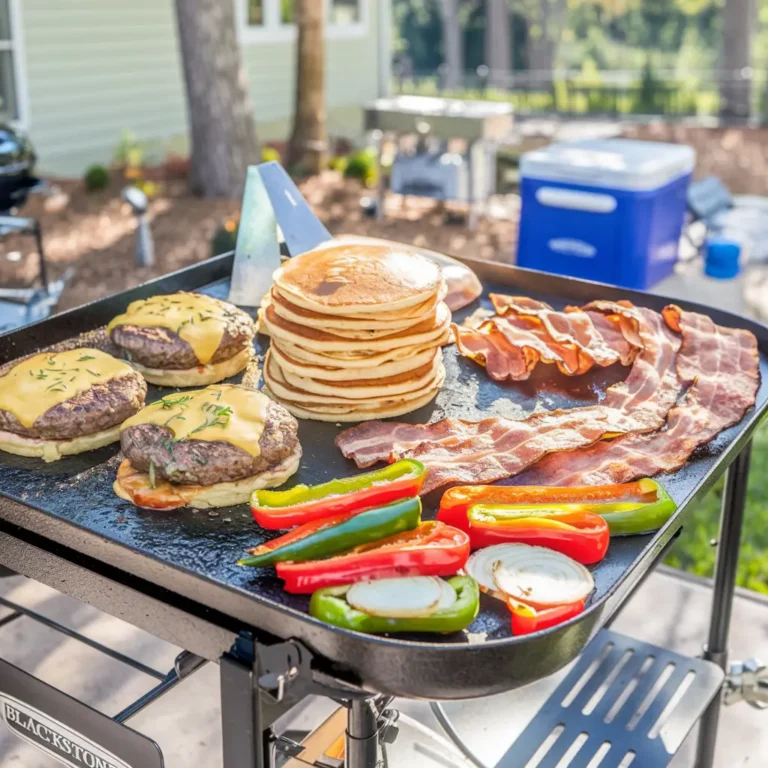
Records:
x=694, y=551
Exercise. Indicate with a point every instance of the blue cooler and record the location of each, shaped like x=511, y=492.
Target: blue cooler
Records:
x=610, y=210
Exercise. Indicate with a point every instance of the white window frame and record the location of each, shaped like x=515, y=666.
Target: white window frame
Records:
x=273, y=31
x=19, y=57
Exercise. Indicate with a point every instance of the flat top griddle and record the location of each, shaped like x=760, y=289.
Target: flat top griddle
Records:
x=192, y=553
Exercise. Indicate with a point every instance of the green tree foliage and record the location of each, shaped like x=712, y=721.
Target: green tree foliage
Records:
x=684, y=35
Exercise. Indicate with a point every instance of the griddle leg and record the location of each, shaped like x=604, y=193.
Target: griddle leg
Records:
x=362, y=740
x=241, y=722
x=728, y=545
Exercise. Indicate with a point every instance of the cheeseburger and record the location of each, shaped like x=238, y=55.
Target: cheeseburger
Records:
x=184, y=339
x=209, y=448
x=63, y=403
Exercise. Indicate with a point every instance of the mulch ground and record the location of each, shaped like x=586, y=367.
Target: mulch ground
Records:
x=94, y=233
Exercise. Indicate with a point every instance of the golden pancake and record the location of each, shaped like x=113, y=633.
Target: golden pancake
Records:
x=361, y=389
x=274, y=379
x=351, y=279
x=343, y=325
x=428, y=331
x=328, y=370
x=344, y=414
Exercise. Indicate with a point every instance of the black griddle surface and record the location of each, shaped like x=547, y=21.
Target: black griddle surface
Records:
x=201, y=547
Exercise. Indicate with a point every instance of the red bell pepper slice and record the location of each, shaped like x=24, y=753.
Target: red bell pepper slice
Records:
x=432, y=549
x=526, y=619
x=303, y=504
x=581, y=535
x=456, y=501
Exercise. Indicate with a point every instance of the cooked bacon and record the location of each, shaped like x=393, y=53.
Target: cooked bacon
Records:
x=612, y=328
x=489, y=347
x=720, y=367
x=480, y=452
x=579, y=328
x=525, y=332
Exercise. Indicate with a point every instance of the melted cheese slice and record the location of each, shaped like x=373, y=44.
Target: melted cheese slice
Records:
x=220, y=412
x=42, y=381
x=199, y=320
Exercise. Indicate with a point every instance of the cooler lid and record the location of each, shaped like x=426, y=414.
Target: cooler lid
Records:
x=615, y=163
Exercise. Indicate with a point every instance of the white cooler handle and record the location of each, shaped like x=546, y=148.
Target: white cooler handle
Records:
x=575, y=200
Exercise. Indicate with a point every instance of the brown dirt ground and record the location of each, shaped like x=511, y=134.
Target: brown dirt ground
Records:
x=94, y=233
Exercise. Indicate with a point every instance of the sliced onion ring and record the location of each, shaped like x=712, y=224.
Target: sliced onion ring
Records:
x=448, y=596
x=402, y=598
x=537, y=576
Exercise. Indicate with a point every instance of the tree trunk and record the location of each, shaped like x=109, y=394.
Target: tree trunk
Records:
x=308, y=145
x=736, y=58
x=221, y=120
x=544, y=31
x=453, y=45
x=498, y=50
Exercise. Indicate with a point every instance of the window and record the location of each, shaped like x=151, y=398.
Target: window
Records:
x=255, y=13
x=344, y=11
x=274, y=21
x=287, y=12
x=9, y=96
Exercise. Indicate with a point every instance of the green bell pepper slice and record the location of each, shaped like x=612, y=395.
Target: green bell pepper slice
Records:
x=330, y=606
x=330, y=536
x=304, y=503
x=632, y=518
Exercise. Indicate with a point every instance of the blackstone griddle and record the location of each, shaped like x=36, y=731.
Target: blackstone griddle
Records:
x=174, y=574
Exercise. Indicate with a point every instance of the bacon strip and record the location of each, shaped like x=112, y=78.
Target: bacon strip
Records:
x=480, y=452
x=721, y=366
x=525, y=332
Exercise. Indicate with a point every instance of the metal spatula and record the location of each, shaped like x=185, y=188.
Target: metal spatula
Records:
x=271, y=199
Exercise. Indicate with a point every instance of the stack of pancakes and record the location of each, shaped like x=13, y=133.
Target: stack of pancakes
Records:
x=356, y=333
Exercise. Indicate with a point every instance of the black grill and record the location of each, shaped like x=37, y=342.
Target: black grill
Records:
x=17, y=165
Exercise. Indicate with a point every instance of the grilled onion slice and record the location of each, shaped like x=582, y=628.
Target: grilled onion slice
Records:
x=402, y=598
x=537, y=576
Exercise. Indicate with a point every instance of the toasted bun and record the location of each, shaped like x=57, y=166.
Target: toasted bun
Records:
x=53, y=450
x=351, y=279
x=233, y=493
x=199, y=376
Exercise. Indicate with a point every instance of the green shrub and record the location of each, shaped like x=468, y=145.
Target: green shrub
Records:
x=225, y=237
x=96, y=178
x=270, y=154
x=362, y=165
x=338, y=164
x=128, y=152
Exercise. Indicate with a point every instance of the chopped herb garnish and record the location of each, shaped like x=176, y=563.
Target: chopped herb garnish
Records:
x=220, y=418
x=168, y=404
x=55, y=384
x=200, y=460
x=83, y=358
x=42, y=374
x=93, y=373
x=175, y=416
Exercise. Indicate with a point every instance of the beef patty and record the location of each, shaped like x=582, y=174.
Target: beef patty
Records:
x=206, y=462
x=98, y=408
x=162, y=348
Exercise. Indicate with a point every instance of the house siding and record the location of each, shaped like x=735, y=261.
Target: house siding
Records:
x=95, y=68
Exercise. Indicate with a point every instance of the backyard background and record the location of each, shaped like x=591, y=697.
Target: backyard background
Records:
x=100, y=89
